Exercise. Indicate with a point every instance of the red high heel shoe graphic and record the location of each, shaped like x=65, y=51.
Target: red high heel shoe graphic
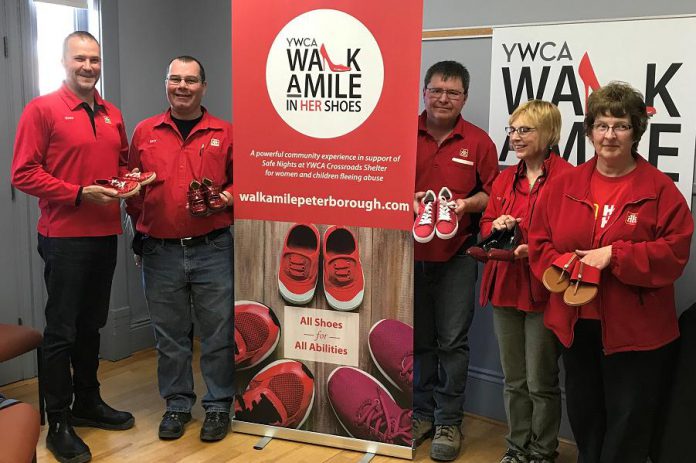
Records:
x=589, y=78
x=332, y=66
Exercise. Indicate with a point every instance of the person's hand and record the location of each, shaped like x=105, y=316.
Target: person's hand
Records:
x=417, y=200
x=505, y=221
x=600, y=257
x=99, y=195
x=460, y=207
x=227, y=197
x=521, y=251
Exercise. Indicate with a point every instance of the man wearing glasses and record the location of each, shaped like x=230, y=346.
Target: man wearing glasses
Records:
x=183, y=220
x=452, y=153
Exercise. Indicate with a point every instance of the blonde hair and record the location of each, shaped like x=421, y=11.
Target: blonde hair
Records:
x=545, y=117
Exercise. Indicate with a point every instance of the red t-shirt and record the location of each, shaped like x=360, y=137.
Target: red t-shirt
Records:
x=608, y=195
x=466, y=162
x=160, y=209
x=57, y=151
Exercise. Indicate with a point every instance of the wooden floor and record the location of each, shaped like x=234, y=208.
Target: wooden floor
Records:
x=130, y=384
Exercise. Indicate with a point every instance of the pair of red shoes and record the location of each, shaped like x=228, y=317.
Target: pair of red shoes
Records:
x=128, y=184
x=204, y=197
x=298, y=272
x=578, y=281
x=436, y=217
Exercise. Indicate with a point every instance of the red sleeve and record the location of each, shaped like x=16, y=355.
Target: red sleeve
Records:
x=134, y=205
x=31, y=146
x=657, y=263
x=229, y=187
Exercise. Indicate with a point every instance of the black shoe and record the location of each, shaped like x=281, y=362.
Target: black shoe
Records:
x=172, y=424
x=64, y=443
x=215, y=426
x=94, y=413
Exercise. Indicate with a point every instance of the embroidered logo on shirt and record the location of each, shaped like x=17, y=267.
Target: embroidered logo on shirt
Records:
x=632, y=218
x=214, y=142
x=69, y=118
x=107, y=120
x=153, y=140
x=464, y=153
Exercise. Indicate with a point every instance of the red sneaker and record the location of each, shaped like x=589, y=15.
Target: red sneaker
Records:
x=196, y=199
x=124, y=188
x=298, y=271
x=447, y=221
x=212, y=196
x=256, y=333
x=390, y=343
x=424, y=226
x=365, y=408
x=344, y=284
x=281, y=394
x=143, y=178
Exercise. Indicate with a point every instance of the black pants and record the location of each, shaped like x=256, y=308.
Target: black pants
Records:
x=78, y=274
x=613, y=400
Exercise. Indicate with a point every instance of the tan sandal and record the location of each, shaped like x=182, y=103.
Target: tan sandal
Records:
x=584, y=285
x=557, y=277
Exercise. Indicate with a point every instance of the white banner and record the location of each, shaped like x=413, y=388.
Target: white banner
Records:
x=564, y=63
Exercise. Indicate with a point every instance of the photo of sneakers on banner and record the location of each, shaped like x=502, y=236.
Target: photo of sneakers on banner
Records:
x=435, y=216
x=366, y=409
x=256, y=333
x=390, y=343
x=281, y=394
x=205, y=197
x=298, y=270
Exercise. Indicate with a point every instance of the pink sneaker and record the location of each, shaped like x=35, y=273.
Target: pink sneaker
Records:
x=281, y=394
x=390, y=343
x=124, y=188
x=143, y=178
x=365, y=408
x=424, y=226
x=256, y=333
x=298, y=271
x=447, y=221
x=344, y=284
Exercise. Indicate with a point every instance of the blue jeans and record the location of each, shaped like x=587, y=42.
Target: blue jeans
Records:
x=443, y=312
x=180, y=280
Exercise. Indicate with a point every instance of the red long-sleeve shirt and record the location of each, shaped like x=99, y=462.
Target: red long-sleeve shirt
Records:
x=157, y=146
x=57, y=151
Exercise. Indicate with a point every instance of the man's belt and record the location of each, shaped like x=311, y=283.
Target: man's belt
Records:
x=194, y=240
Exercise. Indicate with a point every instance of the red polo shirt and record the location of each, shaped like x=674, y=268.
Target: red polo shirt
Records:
x=157, y=146
x=56, y=151
x=466, y=162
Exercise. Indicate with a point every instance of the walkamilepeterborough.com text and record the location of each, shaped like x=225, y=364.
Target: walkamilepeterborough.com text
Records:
x=327, y=201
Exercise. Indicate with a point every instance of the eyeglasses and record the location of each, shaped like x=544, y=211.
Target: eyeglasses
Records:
x=617, y=128
x=189, y=81
x=437, y=92
x=521, y=131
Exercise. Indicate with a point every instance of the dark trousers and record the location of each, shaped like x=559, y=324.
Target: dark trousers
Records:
x=613, y=400
x=443, y=312
x=78, y=274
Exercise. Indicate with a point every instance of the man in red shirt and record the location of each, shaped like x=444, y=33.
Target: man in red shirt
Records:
x=65, y=140
x=456, y=154
x=187, y=248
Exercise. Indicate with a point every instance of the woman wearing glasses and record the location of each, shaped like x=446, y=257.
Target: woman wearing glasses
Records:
x=621, y=215
x=528, y=351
